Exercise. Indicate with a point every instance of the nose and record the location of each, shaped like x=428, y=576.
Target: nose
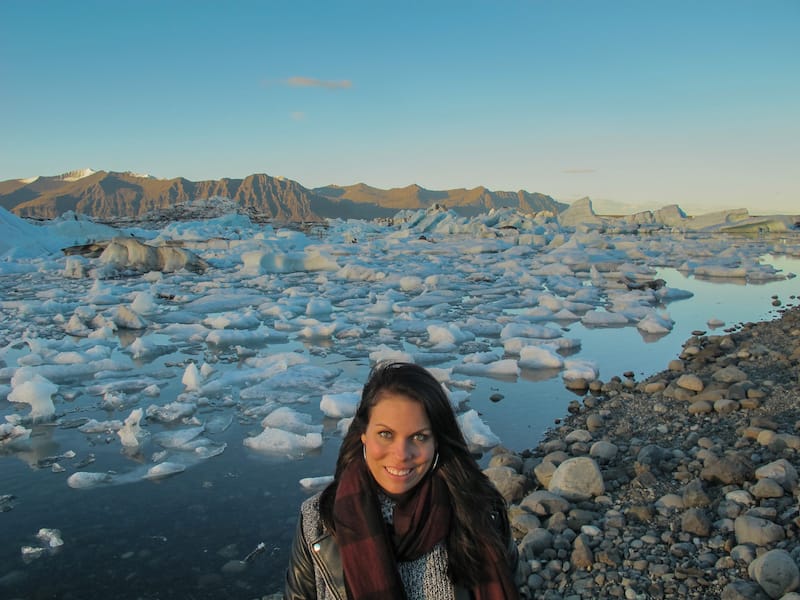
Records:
x=403, y=450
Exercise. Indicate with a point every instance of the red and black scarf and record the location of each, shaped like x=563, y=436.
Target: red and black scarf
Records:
x=370, y=548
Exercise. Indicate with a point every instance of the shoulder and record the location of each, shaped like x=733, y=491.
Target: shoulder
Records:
x=310, y=517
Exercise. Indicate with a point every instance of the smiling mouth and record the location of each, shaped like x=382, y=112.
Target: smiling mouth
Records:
x=399, y=472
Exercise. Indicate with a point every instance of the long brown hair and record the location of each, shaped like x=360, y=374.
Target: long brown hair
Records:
x=479, y=510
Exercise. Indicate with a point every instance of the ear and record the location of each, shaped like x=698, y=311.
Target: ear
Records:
x=363, y=438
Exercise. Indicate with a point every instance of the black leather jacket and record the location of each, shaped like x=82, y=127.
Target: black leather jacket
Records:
x=315, y=568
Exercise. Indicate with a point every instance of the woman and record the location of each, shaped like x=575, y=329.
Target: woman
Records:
x=409, y=513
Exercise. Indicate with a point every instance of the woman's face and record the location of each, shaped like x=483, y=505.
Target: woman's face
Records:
x=398, y=442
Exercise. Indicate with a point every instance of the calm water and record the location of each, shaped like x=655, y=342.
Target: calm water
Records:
x=183, y=537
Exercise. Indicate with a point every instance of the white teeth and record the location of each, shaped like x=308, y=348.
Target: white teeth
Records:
x=399, y=472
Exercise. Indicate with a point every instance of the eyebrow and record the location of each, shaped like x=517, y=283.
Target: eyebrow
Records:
x=423, y=430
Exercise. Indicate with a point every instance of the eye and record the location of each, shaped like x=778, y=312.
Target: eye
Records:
x=386, y=435
x=421, y=437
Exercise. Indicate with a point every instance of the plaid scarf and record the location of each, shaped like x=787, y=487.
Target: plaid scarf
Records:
x=370, y=548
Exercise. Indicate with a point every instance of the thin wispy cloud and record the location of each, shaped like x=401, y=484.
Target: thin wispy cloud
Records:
x=578, y=171
x=311, y=82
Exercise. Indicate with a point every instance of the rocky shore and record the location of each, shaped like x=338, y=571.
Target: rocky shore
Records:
x=683, y=485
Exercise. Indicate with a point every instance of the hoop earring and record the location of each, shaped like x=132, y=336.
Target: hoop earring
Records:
x=435, y=461
x=364, y=448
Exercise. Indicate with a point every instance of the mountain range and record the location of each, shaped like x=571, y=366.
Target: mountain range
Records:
x=109, y=195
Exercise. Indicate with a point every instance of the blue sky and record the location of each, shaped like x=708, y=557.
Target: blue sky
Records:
x=635, y=104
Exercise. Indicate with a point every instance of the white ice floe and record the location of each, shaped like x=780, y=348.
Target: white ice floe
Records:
x=130, y=433
x=476, y=432
x=85, y=479
x=178, y=438
x=95, y=426
x=13, y=434
x=51, y=538
x=31, y=388
x=580, y=369
x=506, y=367
x=170, y=412
x=315, y=483
x=191, y=379
x=163, y=470
x=601, y=318
x=655, y=322
x=291, y=420
x=539, y=357
x=278, y=441
x=339, y=405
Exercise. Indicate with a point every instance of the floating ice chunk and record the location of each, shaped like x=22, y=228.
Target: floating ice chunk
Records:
x=85, y=479
x=126, y=318
x=290, y=420
x=411, y=283
x=164, y=469
x=339, y=405
x=256, y=262
x=145, y=347
x=476, y=432
x=143, y=303
x=246, y=320
x=316, y=483
x=720, y=271
x=95, y=426
x=343, y=425
x=355, y=272
x=75, y=267
x=31, y=553
x=11, y=434
x=231, y=337
x=28, y=387
x=383, y=353
x=313, y=329
x=539, y=357
x=656, y=323
x=191, y=378
x=513, y=346
x=207, y=449
x=565, y=315
x=456, y=397
x=113, y=400
x=529, y=330
x=481, y=357
x=51, y=538
x=318, y=307
x=278, y=441
x=70, y=358
x=178, y=439
x=580, y=369
x=102, y=293
x=170, y=412
x=448, y=336
x=506, y=367
x=482, y=327
x=218, y=423
x=131, y=434
x=670, y=294
x=599, y=318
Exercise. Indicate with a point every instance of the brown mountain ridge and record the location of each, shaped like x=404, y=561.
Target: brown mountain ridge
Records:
x=108, y=195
